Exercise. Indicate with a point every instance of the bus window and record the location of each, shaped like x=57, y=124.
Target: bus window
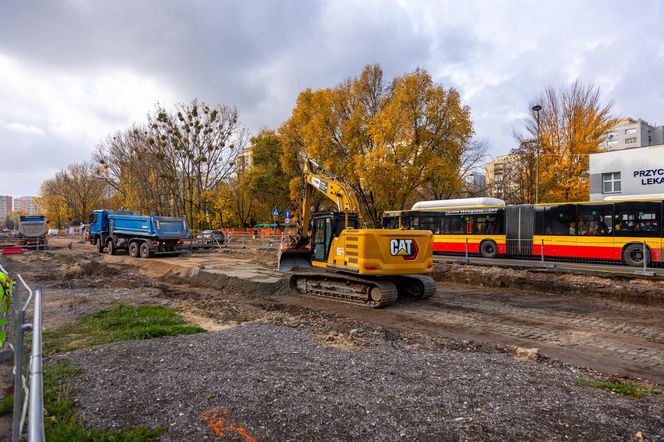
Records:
x=486, y=224
x=454, y=224
x=639, y=219
x=595, y=219
x=390, y=222
x=560, y=220
x=430, y=222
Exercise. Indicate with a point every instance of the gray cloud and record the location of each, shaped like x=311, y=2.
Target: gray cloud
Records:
x=71, y=72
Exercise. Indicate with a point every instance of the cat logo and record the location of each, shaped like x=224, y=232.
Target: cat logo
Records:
x=404, y=247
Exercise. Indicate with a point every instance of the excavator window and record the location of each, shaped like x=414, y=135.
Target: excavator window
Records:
x=322, y=236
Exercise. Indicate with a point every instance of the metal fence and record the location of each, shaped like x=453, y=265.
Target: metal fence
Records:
x=641, y=257
x=28, y=379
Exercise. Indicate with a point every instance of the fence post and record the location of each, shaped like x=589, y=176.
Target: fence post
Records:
x=542, y=251
x=645, y=257
x=36, y=408
x=21, y=326
x=466, y=260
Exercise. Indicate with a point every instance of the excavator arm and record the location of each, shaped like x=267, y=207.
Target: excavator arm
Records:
x=316, y=177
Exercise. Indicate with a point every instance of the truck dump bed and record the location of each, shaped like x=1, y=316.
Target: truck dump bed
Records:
x=31, y=227
x=160, y=227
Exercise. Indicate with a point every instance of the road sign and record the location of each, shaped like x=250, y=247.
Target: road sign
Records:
x=287, y=214
x=287, y=220
x=275, y=212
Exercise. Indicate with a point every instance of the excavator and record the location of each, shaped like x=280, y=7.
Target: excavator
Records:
x=332, y=257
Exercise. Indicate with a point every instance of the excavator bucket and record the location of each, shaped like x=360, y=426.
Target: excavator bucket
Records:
x=294, y=258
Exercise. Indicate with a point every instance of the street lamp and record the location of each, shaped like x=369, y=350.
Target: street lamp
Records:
x=537, y=108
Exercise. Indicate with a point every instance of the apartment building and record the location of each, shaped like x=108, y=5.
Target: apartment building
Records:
x=630, y=133
x=27, y=205
x=6, y=207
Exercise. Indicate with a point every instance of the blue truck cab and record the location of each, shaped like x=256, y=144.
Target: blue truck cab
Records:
x=141, y=235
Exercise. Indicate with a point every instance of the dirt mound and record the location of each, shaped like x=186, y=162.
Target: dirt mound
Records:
x=616, y=287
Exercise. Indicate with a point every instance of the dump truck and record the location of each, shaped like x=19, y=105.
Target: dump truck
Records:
x=32, y=232
x=141, y=235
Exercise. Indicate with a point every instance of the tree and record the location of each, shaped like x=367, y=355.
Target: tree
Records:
x=267, y=182
x=573, y=124
x=74, y=192
x=385, y=142
x=173, y=164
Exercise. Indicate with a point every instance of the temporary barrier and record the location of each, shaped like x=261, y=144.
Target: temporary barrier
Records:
x=28, y=384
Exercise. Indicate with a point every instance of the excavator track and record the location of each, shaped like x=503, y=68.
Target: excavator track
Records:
x=345, y=288
x=415, y=286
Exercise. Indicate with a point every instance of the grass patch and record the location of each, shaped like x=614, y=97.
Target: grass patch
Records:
x=122, y=323
x=62, y=421
x=619, y=386
x=7, y=404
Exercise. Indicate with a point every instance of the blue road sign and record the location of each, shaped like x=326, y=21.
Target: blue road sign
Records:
x=275, y=212
x=287, y=213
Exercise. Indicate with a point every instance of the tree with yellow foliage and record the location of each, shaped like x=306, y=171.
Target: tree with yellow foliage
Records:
x=572, y=125
x=386, y=142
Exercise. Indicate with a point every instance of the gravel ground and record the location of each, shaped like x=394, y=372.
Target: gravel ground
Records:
x=280, y=383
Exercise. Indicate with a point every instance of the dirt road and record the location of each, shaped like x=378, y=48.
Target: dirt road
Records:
x=604, y=334
x=286, y=367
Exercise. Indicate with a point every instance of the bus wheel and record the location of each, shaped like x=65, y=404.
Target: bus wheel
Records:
x=633, y=255
x=489, y=249
x=133, y=249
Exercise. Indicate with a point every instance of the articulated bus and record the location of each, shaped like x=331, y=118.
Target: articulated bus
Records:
x=589, y=231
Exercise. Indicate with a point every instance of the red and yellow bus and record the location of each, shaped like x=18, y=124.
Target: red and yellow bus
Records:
x=596, y=230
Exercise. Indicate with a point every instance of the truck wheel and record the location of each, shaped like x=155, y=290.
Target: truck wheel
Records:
x=100, y=245
x=144, y=250
x=133, y=249
x=111, y=247
x=633, y=255
x=488, y=249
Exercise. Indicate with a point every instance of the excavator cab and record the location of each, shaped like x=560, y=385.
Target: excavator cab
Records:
x=324, y=228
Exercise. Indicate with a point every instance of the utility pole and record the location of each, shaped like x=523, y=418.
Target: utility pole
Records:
x=537, y=108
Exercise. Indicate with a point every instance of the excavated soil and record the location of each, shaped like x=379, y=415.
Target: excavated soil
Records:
x=276, y=366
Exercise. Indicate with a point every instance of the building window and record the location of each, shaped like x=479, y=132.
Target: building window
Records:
x=630, y=131
x=611, y=182
x=631, y=140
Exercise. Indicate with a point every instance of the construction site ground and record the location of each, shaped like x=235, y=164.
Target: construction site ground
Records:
x=278, y=366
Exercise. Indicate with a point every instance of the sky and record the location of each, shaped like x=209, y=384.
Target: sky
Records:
x=72, y=72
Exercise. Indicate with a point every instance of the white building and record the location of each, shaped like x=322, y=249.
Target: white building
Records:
x=638, y=171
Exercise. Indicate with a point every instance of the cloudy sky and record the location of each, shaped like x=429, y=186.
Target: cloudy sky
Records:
x=74, y=71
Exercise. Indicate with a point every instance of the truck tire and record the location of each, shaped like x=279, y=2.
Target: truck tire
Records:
x=133, y=249
x=489, y=249
x=111, y=247
x=144, y=250
x=633, y=255
x=100, y=245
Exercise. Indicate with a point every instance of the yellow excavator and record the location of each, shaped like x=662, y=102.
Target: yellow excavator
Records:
x=332, y=257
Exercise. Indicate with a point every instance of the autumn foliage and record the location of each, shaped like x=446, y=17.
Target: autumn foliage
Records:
x=392, y=142
x=572, y=124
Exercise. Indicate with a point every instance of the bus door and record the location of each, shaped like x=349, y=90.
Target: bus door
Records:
x=594, y=232
x=559, y=230
x=519, y=228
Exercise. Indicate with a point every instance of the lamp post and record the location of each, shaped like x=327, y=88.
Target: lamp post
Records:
x=537, y=108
